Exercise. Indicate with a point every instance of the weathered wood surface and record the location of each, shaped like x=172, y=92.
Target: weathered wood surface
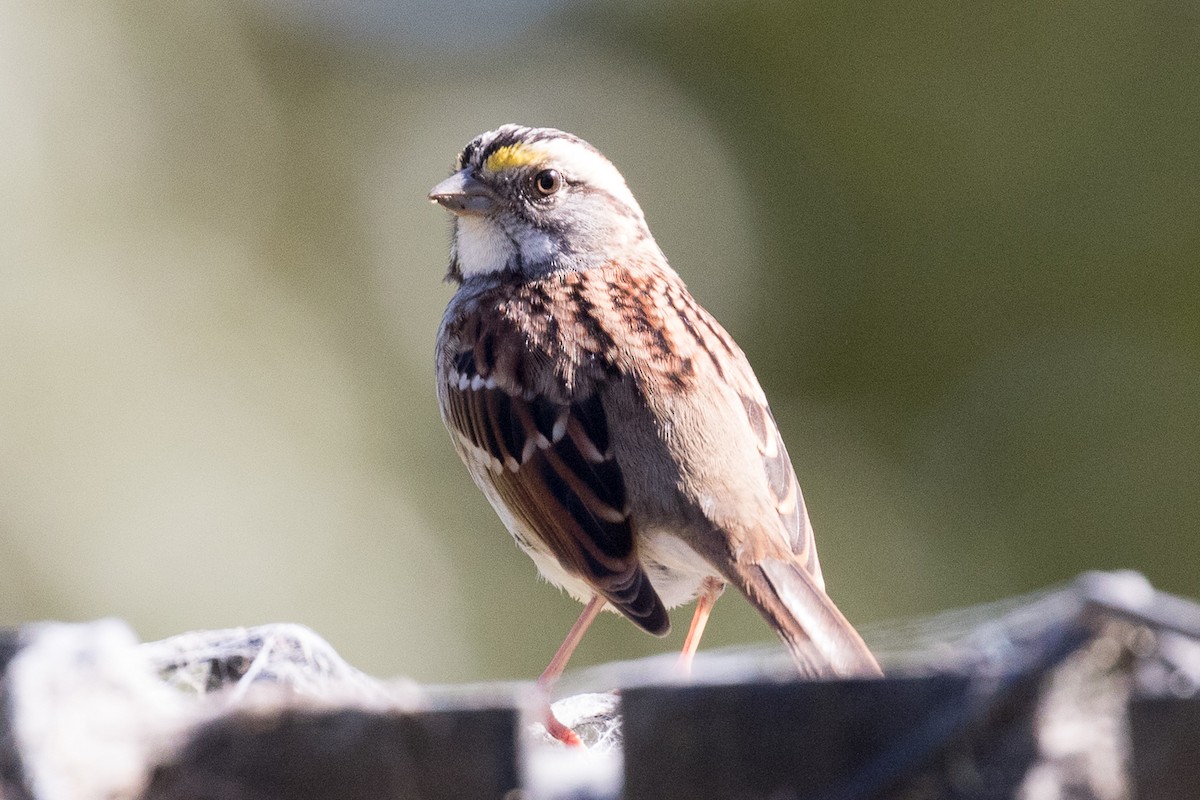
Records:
x=836, y=739
x=348, y=754
x=1082, y=695
x=1165, y=734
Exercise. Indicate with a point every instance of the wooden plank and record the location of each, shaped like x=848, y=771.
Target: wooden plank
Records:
x=828, y=739
x=1165, y=737
x=12, y=770
x=349, y=754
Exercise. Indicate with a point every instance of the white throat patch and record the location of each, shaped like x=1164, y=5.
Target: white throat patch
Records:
x=481, y=246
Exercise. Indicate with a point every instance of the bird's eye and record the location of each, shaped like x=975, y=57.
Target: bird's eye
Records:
x=547, y=182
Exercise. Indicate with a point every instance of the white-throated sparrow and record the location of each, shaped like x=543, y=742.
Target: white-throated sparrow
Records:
x=614, y=425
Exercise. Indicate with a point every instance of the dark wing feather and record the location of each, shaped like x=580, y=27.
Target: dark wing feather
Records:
x=552, y=467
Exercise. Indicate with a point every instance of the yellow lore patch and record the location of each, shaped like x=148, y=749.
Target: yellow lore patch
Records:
x=511, y=157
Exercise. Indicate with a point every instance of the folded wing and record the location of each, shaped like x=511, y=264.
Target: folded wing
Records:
x=550, y=459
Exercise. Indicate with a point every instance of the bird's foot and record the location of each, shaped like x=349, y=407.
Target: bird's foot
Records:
x=559, y=731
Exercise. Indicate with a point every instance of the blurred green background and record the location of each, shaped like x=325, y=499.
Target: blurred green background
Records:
x=957, y=240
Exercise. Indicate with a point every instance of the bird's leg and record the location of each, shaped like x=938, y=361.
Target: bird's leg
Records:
x=559, y=663
x=710, y=591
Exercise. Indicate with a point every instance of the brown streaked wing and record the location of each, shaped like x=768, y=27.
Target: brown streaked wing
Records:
x=555, y=472
x=781, y=478
x=731, y=366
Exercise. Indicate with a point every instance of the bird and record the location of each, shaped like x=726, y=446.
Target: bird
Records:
x=613, y=424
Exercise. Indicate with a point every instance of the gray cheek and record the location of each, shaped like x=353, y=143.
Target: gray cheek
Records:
x=537, y=246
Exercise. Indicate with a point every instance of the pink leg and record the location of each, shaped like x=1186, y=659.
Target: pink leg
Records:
x=704, y=605
x=559, y=663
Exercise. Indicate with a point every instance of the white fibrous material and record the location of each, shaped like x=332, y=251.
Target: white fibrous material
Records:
x=89, y=712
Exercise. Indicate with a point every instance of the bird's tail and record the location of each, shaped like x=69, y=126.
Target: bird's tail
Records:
x=822, y=642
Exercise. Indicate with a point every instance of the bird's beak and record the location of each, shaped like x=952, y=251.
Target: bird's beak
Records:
x=465, y=195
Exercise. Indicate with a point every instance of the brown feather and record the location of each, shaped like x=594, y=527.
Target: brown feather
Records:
x=565, y=489
x=822, y=642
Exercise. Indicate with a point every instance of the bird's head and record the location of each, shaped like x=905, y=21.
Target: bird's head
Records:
x=534, y=201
